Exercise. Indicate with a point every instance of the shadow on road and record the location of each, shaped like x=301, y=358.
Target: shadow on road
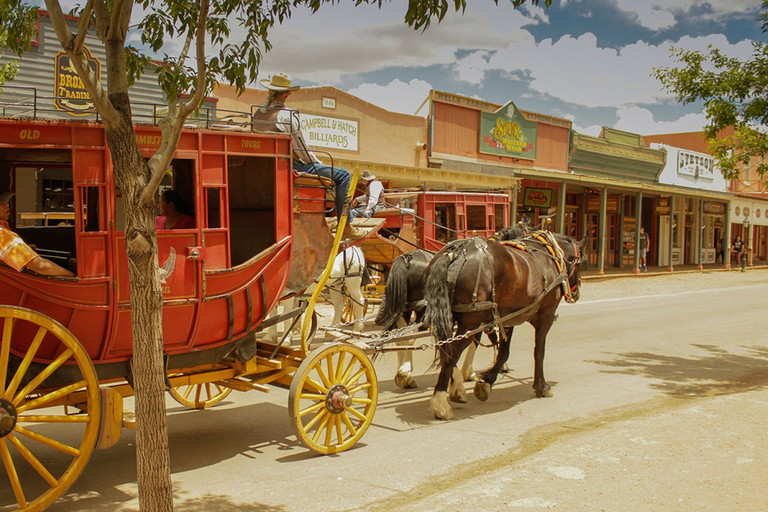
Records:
x=718, y=373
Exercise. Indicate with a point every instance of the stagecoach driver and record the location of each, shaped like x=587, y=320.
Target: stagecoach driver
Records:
x=274, y=116
x=17, y=254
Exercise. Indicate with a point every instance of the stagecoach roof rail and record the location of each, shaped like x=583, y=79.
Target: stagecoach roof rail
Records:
x=24, y=102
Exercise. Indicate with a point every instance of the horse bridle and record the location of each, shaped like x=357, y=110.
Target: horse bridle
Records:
x=574, y=265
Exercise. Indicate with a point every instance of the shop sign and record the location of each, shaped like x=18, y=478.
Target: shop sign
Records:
x=71, y=95
x=330, y=132
x=507, y=133
x=611, y=204
x=663, y=206
x=696, y=165
x=713, y=208
x=537, y=197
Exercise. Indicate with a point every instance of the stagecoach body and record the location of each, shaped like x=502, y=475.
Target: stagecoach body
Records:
x=219, y=279
x=429, y=219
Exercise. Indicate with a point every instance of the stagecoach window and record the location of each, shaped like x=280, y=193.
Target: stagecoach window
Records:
x=251, y=194
x=499, y=217
x=92, y=217
x=445, y=218
x=476, y=217
x=213, y=198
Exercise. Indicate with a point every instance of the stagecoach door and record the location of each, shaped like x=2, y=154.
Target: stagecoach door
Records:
x=180, y=270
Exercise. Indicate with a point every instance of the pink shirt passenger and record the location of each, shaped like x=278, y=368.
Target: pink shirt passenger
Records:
x=183, y=222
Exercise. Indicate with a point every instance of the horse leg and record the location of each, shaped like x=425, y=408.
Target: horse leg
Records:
x=540, y=386
x=467, y=372
x=337, y=299
x=488, y=378
x=355, y=290
x=449, y=356
x=403, y=377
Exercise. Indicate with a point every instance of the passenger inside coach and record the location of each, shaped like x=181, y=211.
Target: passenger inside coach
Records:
x=15, y=253
x=174, y=212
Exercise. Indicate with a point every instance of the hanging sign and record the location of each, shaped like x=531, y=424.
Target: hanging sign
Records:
x=537, y=197
x=662, y=206
x=507, y=133
x=71, y=95
x=713, y=208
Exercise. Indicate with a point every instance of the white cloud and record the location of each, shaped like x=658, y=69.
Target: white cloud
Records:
x=397, y=96
x=640, y=120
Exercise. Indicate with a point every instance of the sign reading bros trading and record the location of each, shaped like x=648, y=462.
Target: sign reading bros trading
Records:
x=330, y=132
x=507, y=133
x=71, y=95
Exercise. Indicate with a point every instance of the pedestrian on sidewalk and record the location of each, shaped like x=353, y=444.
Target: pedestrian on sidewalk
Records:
x=738, y=250
x=720, y=251
x=645, y=241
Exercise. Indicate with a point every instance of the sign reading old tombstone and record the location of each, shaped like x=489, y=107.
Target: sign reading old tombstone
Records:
x=537, y=197
x=507, y=133
x=71, y=95
x=330, y=132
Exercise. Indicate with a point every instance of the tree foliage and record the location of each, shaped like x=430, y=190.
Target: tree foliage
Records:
x=735, y=94
x=16, y=33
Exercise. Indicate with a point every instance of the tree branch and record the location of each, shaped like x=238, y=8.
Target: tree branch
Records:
x=82, y=29
x=172, y=125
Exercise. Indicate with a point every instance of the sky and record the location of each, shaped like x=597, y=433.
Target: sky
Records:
x=589, y=61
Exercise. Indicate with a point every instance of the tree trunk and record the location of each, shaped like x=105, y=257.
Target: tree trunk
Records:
x=152, y=453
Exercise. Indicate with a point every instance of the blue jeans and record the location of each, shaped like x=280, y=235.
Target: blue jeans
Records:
x=360, y=212
x=339, y=175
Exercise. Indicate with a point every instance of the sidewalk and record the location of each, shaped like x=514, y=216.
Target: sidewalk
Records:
x=613, y=272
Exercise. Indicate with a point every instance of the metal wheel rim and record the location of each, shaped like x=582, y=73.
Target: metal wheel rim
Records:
x=30, y=433
x=313, y=421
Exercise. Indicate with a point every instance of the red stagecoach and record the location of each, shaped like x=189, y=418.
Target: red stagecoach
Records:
x=66, y=344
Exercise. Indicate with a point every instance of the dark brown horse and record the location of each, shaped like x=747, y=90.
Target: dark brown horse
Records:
x=404, y=298
x=478, y=283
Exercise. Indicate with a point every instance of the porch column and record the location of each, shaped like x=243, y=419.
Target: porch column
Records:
x=513, y=205
x=728, y=233
x=701, y=234
x=602, y=231
x=638, y=224
x=561, y=209
x=671, y=267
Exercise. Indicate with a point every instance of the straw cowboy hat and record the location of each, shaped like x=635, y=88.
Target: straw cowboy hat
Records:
x=278, y=82
x=367, y=176
x=5, y=197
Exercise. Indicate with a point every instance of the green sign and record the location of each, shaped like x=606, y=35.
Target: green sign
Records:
x=507, y=133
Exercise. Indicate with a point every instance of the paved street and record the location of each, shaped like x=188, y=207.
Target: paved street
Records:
x=659, y=403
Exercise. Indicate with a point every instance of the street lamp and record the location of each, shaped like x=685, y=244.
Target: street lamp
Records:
x=747, y=239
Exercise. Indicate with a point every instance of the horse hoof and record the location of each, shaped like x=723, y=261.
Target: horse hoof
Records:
x=459, y=399
x=482, y=390
x=544, y=393
x=472, y=377
x=405, y=381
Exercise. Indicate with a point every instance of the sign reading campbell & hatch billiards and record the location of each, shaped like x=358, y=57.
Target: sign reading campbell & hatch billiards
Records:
x=71, y=95
x=507, y=133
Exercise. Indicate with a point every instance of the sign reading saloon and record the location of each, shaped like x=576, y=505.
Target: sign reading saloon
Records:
x=330, y=132
x=507, y=133
x=71, y=95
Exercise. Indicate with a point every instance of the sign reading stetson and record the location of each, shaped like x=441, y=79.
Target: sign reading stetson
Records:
x=71, y=95
x=507, y=133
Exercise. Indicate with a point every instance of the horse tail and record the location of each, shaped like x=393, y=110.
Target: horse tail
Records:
x=437, y=293
x=395, y=294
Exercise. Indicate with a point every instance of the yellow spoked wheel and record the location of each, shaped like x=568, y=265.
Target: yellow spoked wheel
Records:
x=44, y=445
x=348, y=313
x=333, y=398
x=200, y=396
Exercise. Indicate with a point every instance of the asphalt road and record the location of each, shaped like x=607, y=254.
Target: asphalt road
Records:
x=659, y=403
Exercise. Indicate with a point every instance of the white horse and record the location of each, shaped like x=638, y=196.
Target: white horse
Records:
x=345, y=280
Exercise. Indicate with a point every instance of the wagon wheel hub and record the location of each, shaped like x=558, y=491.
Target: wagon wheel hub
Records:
x=8, y=417
x=338, y=399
